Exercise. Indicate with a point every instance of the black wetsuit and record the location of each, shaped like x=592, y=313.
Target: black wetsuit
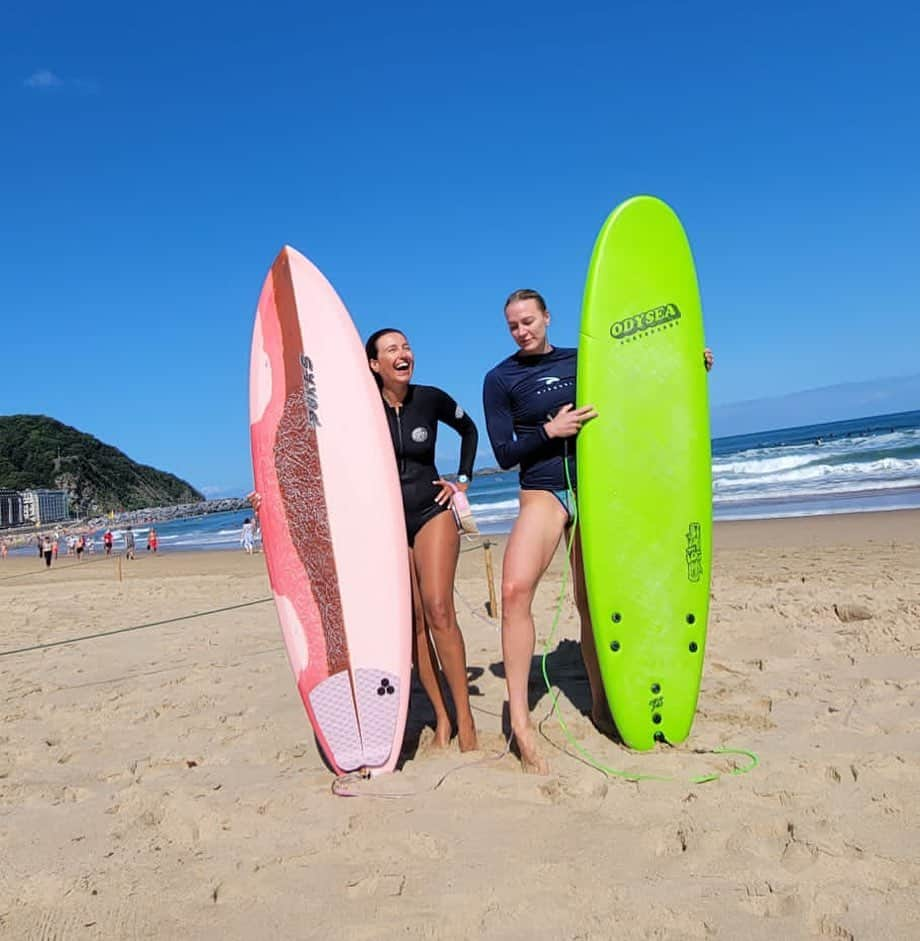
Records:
x=519, y=396
x=414, y=430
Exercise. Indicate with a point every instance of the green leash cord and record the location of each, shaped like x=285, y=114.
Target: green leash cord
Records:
x=754, y=761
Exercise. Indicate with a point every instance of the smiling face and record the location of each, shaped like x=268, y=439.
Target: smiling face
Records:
x=527, y=320
x=394, y=363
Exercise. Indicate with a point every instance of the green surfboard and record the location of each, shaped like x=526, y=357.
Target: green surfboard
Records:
x=645, y=472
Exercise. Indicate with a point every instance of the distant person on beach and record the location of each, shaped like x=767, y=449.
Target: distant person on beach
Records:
x=79, y=546
x=152, y=541
x=129, y=543
x=40, y=544
x=529, y=402
x=4, y=548
x=246, y=536
x=107, y=541
x=48, y=550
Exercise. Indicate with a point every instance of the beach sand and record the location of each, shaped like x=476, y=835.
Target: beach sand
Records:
x=164, y=783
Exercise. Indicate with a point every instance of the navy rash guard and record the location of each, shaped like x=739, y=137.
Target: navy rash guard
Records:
x=520, y=395
x=414, y=431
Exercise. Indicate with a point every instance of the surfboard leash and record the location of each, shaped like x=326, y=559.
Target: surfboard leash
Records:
x=342, y=783
x=585, y=756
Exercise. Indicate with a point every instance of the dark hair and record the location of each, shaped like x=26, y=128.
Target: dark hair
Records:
x=526, y=294
x=370, y=348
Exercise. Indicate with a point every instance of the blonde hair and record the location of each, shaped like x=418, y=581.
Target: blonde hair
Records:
x=526, y=294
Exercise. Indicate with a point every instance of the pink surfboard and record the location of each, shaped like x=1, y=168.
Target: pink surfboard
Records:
x=331, y=516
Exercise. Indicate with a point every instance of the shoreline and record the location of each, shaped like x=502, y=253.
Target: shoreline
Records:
x=797, y=531
x=19, y=536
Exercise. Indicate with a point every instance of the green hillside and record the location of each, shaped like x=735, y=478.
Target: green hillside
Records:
x=36, y=451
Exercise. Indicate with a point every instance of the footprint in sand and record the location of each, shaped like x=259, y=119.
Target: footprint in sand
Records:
x=852, y=612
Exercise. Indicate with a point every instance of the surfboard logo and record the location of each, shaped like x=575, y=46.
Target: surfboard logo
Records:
x=649, y=320
x=694, y=552
x=553, y=384
x=309, y=390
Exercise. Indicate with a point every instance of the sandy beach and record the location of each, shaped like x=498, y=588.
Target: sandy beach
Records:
x=163, y=782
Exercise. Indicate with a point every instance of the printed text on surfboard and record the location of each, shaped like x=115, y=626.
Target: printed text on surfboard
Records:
x=647, y=320
x=309, y=390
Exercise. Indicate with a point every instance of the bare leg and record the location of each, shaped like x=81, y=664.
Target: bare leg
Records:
x=600, y=714
x=530, y=549
x=426, y=662
x=437, y=547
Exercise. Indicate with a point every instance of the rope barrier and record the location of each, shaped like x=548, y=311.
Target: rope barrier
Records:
x=135, y=627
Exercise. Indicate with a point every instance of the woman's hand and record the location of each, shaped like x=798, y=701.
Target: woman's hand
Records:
x=567, y=422
x=447, y=490
x=708, y=358
x=255, y=499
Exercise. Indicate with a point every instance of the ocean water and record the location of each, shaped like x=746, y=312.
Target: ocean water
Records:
x=842, y=467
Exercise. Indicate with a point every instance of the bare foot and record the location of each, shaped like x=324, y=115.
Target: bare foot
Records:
x=532, y=762
x=466, y=736
x=442, y=734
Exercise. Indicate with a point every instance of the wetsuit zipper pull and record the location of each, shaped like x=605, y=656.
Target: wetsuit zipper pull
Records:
x=402, y=456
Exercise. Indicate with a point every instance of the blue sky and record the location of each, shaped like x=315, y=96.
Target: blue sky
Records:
x=430, y=159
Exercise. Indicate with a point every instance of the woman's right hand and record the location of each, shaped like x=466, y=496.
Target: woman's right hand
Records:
x=567, y=422
x=255, y=499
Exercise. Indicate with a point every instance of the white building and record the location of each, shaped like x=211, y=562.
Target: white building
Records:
x=11, y=510
x=44, y=506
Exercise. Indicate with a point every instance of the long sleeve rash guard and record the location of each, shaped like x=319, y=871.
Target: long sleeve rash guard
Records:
x=519, y=396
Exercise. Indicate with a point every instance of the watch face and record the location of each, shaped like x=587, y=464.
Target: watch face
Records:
x=463, y=479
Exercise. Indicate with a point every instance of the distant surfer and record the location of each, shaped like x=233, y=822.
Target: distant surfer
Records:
x=529, y=403
x=107, y=541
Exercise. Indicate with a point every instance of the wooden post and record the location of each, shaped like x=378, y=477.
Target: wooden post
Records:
x=119, y=568
x=492, y=604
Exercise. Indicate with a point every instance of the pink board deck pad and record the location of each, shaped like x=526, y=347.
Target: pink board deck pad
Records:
x=331, y=517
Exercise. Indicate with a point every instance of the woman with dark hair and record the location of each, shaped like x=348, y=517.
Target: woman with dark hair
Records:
x=413, y=413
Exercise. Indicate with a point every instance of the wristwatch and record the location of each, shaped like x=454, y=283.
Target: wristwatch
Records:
x=462, y=479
